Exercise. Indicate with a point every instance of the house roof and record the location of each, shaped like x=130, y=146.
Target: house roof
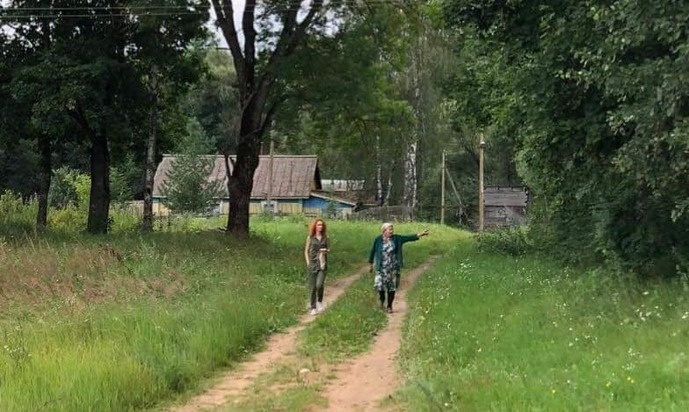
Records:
x=293, y=176
x=505, y=196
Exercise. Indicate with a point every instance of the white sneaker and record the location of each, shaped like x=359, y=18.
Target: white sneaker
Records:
x=319, y=307
x=313, y=311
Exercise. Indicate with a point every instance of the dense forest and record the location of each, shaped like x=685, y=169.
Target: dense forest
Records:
x=586, y=103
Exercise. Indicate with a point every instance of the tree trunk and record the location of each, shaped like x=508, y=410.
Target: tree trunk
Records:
x=45, y=162
x=410, y=164
x=99, y=202
x=379, y=175
x=44, y=178
x=388, y=191
x=410, y=176
x=241, y=181
x=147, y=221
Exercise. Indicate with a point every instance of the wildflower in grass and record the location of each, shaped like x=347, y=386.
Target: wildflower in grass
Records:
x=630, y=379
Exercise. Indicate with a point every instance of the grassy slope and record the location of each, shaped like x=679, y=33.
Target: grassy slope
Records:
x=497, y=333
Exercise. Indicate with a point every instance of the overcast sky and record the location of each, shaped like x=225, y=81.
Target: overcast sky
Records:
x=238, y=6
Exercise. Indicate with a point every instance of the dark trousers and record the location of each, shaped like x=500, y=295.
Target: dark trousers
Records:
x=316, y=286
x=391, y=298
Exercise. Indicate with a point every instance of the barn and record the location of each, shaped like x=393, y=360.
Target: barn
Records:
x=505, y=205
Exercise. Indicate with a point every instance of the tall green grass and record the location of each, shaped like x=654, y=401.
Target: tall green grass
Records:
x=488, y=332
x=129, y=322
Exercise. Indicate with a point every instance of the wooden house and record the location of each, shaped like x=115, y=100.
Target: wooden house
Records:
x=505, y=206
x=291, y=187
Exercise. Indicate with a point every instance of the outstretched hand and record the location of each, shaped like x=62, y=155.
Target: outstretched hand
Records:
x=422, y=233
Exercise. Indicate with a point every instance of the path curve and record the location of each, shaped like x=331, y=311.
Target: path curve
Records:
x=359, y=384
x=278, y=347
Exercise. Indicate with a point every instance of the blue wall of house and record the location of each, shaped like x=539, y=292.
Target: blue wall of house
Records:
x=317, y=202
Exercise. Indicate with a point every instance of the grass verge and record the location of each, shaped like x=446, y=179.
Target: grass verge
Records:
x=488, y=332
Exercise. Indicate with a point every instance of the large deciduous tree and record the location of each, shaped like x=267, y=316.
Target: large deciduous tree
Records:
x=267, y=33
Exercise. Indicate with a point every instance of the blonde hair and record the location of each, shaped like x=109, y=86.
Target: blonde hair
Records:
x=385, y=226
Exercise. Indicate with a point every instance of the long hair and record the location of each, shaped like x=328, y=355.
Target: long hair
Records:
x=312, y=228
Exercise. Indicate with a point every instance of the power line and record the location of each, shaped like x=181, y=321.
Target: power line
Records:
x=164, y=10
x=132, y=7
x=98, y=16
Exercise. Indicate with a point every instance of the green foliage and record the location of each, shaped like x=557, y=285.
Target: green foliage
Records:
x=360, y=113
x=18, y=160
x=63, y=191
x=69, y=219
x=123, y=179
x=16, y=217
x=68, y=198
x=213, y=101
x=266, y=215
x=187, y=188
x=77, y=84
x=596, y=98
x=513, y=241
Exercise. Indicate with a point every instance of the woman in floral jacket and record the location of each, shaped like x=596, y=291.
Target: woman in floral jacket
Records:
x=387, y=259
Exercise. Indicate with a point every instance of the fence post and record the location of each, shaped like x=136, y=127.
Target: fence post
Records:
x=480, y=185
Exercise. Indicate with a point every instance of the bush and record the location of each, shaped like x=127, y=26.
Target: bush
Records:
x=514, y=241
x=69, y=188
x=17, y=218
x=69, y=219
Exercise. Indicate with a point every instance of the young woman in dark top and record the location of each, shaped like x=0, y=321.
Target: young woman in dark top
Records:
x=316, y=255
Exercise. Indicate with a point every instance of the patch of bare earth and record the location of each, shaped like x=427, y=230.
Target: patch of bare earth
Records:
x=359, y=384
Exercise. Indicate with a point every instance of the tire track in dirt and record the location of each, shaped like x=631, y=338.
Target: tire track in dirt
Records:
x=363, y=382
x=278, y=347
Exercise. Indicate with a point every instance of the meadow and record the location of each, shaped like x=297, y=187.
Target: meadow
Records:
x=492, y=332
x=138, y=322
x=133, y=322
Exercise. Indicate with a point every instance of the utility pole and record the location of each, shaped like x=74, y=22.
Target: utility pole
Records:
x=480, y=185
x=442, y=191
x=270, y=178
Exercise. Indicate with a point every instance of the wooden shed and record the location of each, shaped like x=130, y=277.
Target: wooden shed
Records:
x=505, y=205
